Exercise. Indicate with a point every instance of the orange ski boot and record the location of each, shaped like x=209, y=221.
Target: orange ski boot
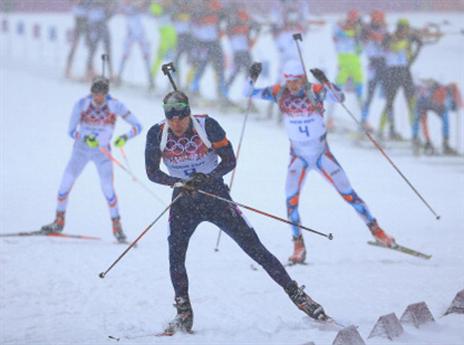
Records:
x=299, y=251
x=380, y=235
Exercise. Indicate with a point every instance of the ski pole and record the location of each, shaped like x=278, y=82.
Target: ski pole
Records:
x=239, y=146
x=134, y=178
x=458, y=130
x=124, y=156
x=104, y=58
x=242, y=133
x=329, y=235
x=167, y=68
x=237, y=155
x=297, y=37
x=103, y=274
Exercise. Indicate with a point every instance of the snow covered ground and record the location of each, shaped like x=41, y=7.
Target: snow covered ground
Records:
x=49, y=289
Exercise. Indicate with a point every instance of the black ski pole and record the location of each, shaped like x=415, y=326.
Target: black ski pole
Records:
x=104, y=58
x=167, y=68
x=237, y=155
x=103, y=274
x=329, y=235
x=298, y=37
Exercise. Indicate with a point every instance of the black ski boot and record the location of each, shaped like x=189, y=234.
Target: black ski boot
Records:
x=56, y=226
x=305, y=303
x=184, y=318
x=447, y=150
x=429, y=149
x=395, y=136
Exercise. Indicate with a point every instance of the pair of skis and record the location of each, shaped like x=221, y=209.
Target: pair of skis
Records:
x=329, y=324
x=48, y=234
x=56, y=235
x=165, y=333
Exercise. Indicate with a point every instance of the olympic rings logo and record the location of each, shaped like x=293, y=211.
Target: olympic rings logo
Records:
x=184, y=145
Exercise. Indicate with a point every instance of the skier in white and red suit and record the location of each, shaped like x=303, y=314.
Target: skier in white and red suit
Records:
x=91, y=126
x=301, y=104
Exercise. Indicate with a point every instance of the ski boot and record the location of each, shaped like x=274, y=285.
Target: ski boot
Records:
x=184, y=318
x=395, y=136
x=447, y=150
x=416, y=146
x=299, y=251
x=305, y=303
x=56, y=226
x=366, y=126
x=429, y=150
x=117, y=230
x=380, y=235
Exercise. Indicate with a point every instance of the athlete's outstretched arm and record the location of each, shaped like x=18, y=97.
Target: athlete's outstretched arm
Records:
x=268, y=93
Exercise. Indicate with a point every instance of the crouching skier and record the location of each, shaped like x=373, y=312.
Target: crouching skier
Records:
x=190, y=146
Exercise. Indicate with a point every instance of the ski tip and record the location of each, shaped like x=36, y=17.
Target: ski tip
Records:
x=291, y=264
x=253, y=267
x=164, y=334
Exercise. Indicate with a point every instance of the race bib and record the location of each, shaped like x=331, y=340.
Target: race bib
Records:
x=305, y=128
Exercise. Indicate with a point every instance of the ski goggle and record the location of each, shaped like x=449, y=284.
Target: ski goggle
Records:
x=180, y=109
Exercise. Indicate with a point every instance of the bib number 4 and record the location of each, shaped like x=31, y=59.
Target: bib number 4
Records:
x=304, y=130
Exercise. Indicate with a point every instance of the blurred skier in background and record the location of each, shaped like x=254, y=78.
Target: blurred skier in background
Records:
x=373, y=37
x=288, y=18
x=402, y=48
x=181, y=20
x=91, y=126
x=134, y=11
x=80, y=11
x=207, y=18
x=348, y=44
x=162, y=11
x=440, y=99
x=99, y=13
x=242, y=33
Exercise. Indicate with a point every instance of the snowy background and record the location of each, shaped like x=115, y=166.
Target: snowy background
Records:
x=49, y=289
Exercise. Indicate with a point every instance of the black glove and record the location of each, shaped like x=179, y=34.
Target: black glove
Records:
x=197, y=181
x=319, y=75
x=255, y=70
